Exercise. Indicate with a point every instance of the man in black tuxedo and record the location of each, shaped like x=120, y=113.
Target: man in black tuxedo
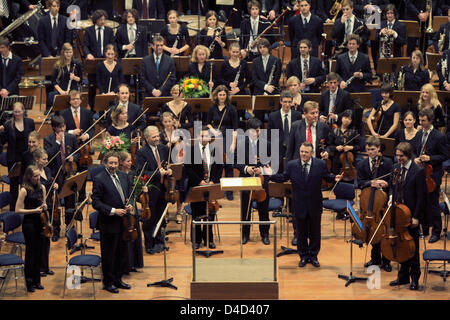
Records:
x=409, y=190
x=306, y=176
x=431, y=149
x=257, y=153
x=133, y=110
x=95, y=40
x=307, y=69
x=60, y=145
x=10, y=70
x=333, y=101
x=158, y=71
x=349, y=24
x=368, y=170
x=52, y=31
x=308, y=129
x=250, y=29
x=154, y=10
x=131, y=37
x=263, y=67
x=393, y=29
x=282, y=121
x=305, y=26
x=153, y=154
x=111, y=189
x=353, y=64
x=201, y=169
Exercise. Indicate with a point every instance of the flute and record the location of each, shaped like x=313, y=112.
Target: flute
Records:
x=109, y=86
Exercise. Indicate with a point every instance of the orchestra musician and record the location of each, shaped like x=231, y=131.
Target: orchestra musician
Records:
x=111, y=189
x=29, y=203
x=176, y=35
x=67, y=70
x=431, y=149
x=389, y=112
x=15, y=132
x=109, y=72
x=353, y=67
x=200, y=68
x=59, y=146
x=34, y=143
x=305, y=26
x=156, y=68
x=11, y=70
x=256, y=159
x=428, y=99
x=153, y=154
x=180, y=109
x=444, y=31
x=202, y=172
x=410, y=190
x=234, y=72
x=365, y=179
x=210, y=34
x=305, y=173
x=415, y=74
x=120, y=125
x=409, y=132
x=443, y=71
x=307, y=68
x=131, y=38
x=333, y=101
x=293, y=84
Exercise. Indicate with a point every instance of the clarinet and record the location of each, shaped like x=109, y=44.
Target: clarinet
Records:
x=174, y=45
x=238, y=74
x=70, y=81
x=350, y=79
x=133, y=42
x=271, y=76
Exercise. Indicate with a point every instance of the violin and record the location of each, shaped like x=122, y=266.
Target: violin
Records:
x=347, y=159
x=129, y=223
x=47, y=229
x=377, y=116
x=332, y=123
x=85, y=154
x=373, y=204
x=431, y=185
x=172, y=195
x=397, y=243
x=325, y=183
x=144, y=199
x=70, y=167
x=259, y=195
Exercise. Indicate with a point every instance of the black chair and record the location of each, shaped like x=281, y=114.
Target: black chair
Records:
x=8, y=263
x=4, y=178
x=83, y=260
x=10, y=223
x=93, y=224
x=344, y=192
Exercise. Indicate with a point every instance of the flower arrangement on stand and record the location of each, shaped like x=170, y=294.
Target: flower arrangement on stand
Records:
x=114, y=143
x=194, y=88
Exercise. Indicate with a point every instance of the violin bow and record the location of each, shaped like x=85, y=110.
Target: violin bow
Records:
x=143, y=112
x=81, y=205
x=43, y=121
x=154, y=172
x=85, y=144
x=351, y=139
x=331, y=191
x=134, y=187
x=102, y=116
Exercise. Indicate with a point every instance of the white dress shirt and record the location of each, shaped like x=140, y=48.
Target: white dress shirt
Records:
x=132, y=32
x=102, y=34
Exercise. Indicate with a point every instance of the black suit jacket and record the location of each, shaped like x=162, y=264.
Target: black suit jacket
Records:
x=276, y=123
x=345, y=69
x=105, y=197
x=398, y=27
x=261, y=78
x=298, y=135
x=443, y=76
x=342, y=102
x=414, y=7
x=444, y=28
x=134, y=111
x=194, y=168
x=141, y=44
x=436, y=147
x=90, y=41
x=45, y=35
x=9, y=136
x=312, y=31
x=315, y=70
x=13, y=75
x=365, y=174
x=263, y=152
x=153, y=79
x=246, y=32
x=85, y=118
x=145, y=155
x=338, y=32
x=414, y=190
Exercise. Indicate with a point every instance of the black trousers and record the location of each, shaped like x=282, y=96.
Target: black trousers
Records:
x=135, y=254
x=114, y=257
x=45, y=245
x=157, y=206
x=433, y=213
x=376, y=255
x=31, y=228
x=411, y=268
x=263, y=214
x=308, y=235
x=199, y=210
x=92, y=79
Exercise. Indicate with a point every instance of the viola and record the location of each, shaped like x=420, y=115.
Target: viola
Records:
x=47, y=229
x=397, y=244
x=129, y=223
x=376, y=117
x=144, y=199
x=431, y=185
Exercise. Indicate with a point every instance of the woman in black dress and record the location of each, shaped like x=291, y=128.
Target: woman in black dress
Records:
x=415, y=74
x=175, y=32
x=15, y=132
x=293, y=85
x=408, y=133
x=388, y=112
x=200, y=68
x=429, y=99
x=30, y=204
x=180, y=109
x=342, y=139
x=109, y=72
x=135, y=254
x=234, y=72
x=120, y=125
x=67, y=70
x=212, y=36
x=41, y=160
x=34, y=143
x=222, y=113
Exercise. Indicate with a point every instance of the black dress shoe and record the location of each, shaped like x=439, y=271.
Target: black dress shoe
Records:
x=133, y=269
x=197, y=246
x=43, y=274
x=302, y=262
x=414, y=285
x=229, y=195
x=30, y=288
x=314, y=262
x=434, y=238
x=244, y=240
x=370, y=263
x=55, y=238
x=212, y=245
x=38, y=286
x=294, y=241
x=49, y=272
x=111, y=288
x=122, y=285
x=386, y=267
x=397, y=282
x=266, y=240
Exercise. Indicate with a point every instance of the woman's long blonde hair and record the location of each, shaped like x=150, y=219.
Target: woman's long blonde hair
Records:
x=434, y=101
x=61, y=63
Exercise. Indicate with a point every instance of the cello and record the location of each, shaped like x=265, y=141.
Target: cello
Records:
x=397, y=244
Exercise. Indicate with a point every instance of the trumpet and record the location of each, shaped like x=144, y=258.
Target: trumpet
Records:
x=335, y=9
x=429, y=8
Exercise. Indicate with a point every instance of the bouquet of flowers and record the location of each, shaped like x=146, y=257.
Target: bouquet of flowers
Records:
x=139, y=183
x=194, y=88
x=114, y=143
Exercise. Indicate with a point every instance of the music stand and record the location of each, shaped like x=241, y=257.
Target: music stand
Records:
x=364, y=99
x=209, y=192
x=267, y=103
x=47, y=66
x=432, y=60
x=407, y=100
x=283, y=190
x=133, y=67
x=181, y=64
x=199, y=105
x=350, y=278
x=387, y=146
x=61, y=102
x=313, y=96
x=91, y=65
x=154, y=103
x=242, y=102
x=153, y=26
x=15, y=170
x=217, y=63
x=391, y=65
x=167, y=283
x=103, y=101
